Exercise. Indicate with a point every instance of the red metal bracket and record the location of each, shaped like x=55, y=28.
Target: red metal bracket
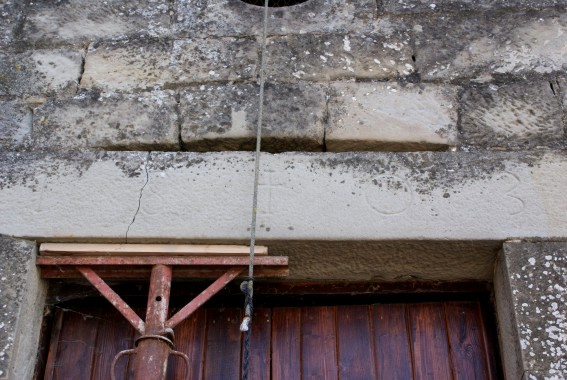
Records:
x=156, y=342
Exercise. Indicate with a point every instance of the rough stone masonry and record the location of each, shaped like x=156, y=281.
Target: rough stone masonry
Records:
x=425, y=133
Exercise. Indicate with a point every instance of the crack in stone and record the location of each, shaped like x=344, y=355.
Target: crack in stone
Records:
x=140, y=197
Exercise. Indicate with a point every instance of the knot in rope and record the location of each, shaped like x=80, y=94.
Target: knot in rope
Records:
x=247, y=287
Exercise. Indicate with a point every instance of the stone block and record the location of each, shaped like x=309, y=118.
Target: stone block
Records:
x=418, y=6
x=22, y=293
x=11, y=15
x=480, y=45
x=325, y=57
x=208, y=60
x=512, y=116
x=235, y=17
x=40, y=72
x=78, y=22
x=126, y=65
x=139, y=65
x=543, y=375
x=368, y=196
x=532, y=306
x=225, y=117
x=15, y=124
x=145, y=121
x=392, y=117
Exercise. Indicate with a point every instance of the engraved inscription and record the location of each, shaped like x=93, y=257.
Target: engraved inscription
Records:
x=389, y=195
x=518, y=203
x=267, y=188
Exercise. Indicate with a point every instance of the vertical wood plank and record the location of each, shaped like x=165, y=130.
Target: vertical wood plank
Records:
x=114, y=335
x=189, y=339
x=489, y=336
x=391, y=339
x=222, y=356
x=429, y=342
x=77, y=342
x=468, y=351
x=260, y=345
x=286, y=343
x=318, y=343
x=356, y=356
x=54, y=345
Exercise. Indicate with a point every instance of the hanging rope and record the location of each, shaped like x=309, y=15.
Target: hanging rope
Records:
x=247, y=286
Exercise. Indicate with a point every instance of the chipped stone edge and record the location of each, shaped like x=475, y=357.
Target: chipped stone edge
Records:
x=506, y=319
x=22, y=360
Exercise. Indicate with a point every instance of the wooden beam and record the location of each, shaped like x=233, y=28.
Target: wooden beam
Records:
x=156, y=260
x=73, y=249
x=141, y=272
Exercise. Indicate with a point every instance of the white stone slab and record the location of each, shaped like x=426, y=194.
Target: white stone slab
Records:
x=340, y=196
x=389, y=116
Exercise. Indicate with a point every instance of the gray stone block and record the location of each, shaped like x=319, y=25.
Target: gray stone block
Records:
x=143, y=65
x=51, y=22
x=216, y=59
x=22, y=294
x=543, y=375
x=127, y=65
x=418, y=6
x=40, y=72
x=481, y=45
x=15, y=125
x=512, y=116
x=145, y=121
x=325, y=57
x=11, y=15
x=531, y=289
x=391, y=117
x=225, y=117
x=235, y=17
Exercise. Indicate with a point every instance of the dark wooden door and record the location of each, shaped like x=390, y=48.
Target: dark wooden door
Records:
x=436, y=341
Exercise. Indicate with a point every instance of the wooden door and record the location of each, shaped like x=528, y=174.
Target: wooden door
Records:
x=436, y=341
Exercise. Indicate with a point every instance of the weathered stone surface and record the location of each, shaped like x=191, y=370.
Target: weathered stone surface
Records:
x=40, y=72
x=127, y=65
x=512, y=116
x=225, y=117
x=531, y=287
x=479, y=45
x=146, y=121
x=388, y=116
x=387, y=260
x=22, y=294
x=234, y=17
x=207, y=60
x=75, y=21
x=411, y=6
x=324, y=57
x=11, y=12
x=15, y=124
x=542, y=375
x=125, y=172
x=316, y=196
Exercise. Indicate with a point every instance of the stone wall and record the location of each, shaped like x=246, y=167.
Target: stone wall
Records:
x=343, y=75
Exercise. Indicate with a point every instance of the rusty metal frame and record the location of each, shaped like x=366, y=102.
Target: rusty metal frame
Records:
x=156, y=341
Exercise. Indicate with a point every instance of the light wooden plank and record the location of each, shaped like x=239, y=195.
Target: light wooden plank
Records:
x=74, y=249
x=164, y=260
